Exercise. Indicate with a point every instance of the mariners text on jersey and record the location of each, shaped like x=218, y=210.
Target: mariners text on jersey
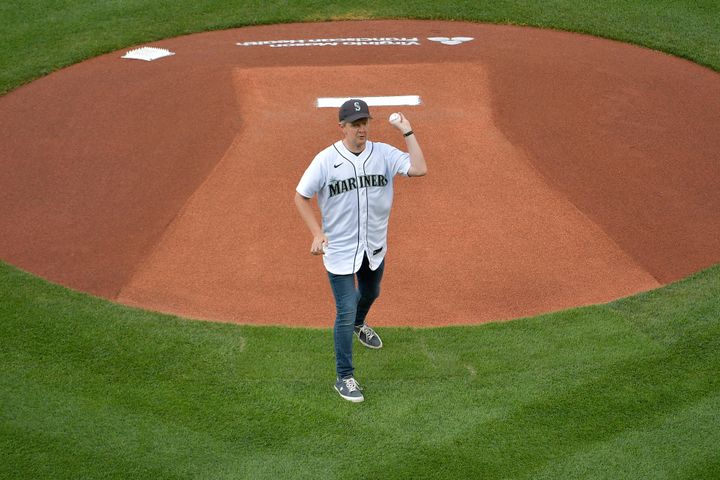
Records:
x=349, y=184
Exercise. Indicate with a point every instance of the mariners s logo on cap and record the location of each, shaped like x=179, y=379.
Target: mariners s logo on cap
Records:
x=353, y=109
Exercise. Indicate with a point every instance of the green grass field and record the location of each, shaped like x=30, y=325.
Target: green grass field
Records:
x=89, y=389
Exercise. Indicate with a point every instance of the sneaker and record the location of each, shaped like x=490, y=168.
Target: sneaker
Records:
x=349, y=389
x=368, y=337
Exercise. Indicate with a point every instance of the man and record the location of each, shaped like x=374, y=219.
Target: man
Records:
x=353, y=179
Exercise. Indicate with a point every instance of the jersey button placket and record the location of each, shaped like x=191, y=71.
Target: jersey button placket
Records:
x=363, y=215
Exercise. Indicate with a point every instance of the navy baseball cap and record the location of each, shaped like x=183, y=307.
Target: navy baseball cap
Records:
x=354, y=109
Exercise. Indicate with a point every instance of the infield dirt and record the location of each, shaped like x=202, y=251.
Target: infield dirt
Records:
x=565, y=170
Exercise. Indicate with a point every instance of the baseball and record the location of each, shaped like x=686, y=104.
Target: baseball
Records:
x=394, y=118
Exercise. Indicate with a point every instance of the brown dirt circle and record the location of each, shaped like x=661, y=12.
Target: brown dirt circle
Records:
x=565, y=170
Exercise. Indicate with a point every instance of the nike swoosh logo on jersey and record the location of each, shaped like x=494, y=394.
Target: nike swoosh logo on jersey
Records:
x=335, y=166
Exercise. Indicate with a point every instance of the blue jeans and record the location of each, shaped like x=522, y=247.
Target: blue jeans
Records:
x=352, y=305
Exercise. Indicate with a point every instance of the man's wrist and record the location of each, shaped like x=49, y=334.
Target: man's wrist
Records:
x=408, y=133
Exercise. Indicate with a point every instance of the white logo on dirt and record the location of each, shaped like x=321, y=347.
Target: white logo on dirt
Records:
x=451, y=40
x=334, y=42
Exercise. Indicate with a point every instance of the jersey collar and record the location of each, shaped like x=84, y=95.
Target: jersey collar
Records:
x=340, y=146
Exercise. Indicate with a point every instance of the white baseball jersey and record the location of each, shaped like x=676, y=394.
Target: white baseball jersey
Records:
x=355, y=194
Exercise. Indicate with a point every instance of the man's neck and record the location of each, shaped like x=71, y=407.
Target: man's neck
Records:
x=353, y=149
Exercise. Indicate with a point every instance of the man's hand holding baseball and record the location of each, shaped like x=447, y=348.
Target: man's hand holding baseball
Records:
x=399, y=121
x=418, y=167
